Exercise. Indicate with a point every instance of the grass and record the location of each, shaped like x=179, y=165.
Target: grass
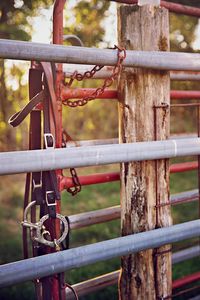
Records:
x=90, y=198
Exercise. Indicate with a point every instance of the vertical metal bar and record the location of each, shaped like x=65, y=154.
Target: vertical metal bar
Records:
x=58, y=39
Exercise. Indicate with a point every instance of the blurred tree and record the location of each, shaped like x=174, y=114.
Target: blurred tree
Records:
x=182, y=36
x=86, y=21
x=15, y=23
x=182, y=28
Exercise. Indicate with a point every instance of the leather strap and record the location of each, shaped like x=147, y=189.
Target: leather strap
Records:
x=18, y=117
x=44, y=184
x=24, y=229
x=47, y=67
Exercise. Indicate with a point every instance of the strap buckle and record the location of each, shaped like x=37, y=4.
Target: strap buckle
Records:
x=37, y=185
x=50, y=198
x=49, y=141
x=37, y=193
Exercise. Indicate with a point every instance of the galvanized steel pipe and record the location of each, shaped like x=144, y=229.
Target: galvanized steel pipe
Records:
x=53, y=159
x=184, y=197
x=186, y=254
x=54, y=263
x=100, y=282
x=113, y=213
x=116, y=140
x=82, y=55
x=185, y=76
x=93, y=285
x=69, y=70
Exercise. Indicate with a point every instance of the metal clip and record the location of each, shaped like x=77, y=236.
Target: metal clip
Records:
x=40, y=229
x=49, y=141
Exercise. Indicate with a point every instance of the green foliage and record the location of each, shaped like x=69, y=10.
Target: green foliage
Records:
x=15, y=23
x=15, y=17
x=182, y=32
x=182, y=28
x=85, y=21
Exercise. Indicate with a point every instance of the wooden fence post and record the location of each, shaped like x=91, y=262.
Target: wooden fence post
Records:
x=144, y=116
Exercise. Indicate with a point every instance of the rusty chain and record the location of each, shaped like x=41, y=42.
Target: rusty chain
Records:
x=77, y=186
x=121, y=55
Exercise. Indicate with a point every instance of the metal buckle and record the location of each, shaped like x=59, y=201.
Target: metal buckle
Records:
x=46, y=136
x=37, y=185
x=47, y=200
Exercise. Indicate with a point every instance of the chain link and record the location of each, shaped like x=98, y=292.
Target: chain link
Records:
x=121, y=55
x=77, y=186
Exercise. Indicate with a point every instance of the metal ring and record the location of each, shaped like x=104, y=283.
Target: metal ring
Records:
x=25, y=221
x=39, y=237
x=38, y=226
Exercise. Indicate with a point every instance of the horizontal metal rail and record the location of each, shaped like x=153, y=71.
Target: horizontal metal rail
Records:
x=86, y=92
x=183, y=136
x=103, y=281
x=159, y=60
x=93, y=285
x=186, y=280
x=66, y=182
x=54, y=263
x=186, y=254
x=116, y=140
x=185, y=94
x=185, y=76
x=69, y=70
x=113, y=94
x=94, y=217
x=173, y=7
x=98, y=178
x=183, y=167
x=184, y=197
x=113, y=213
x=53, y=159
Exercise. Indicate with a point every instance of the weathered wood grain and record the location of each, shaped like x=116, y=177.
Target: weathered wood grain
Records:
x=144, y=116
